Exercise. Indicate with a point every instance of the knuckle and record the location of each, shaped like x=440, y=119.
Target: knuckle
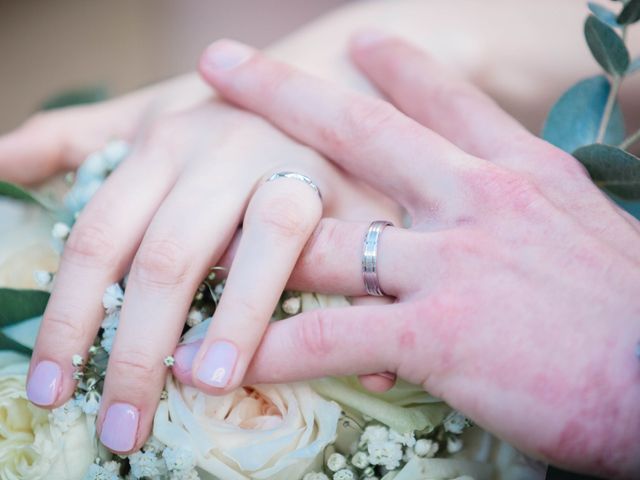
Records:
x=285, y=216
x=501, y=189
x=60, y=324
x=90, y=244
x=315, y=333
x=161, y=263
x=134, y=365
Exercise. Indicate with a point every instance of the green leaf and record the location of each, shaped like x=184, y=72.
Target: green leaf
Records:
x=19, y=305
x=11, y=190
x=612, y=168
x=631, y=206
x=630, y=13
x=78, y=96
x=604, y=14
x=606, y=46
x=575, y=118
x=7, y=343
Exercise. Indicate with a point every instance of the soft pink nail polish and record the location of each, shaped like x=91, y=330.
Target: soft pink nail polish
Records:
x=120, y=427
x=217, y=364
x=184, y=356
x=44, y=383
x=225, y=55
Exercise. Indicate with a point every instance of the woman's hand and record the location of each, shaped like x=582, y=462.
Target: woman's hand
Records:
x=516, y=284
x=168, y=214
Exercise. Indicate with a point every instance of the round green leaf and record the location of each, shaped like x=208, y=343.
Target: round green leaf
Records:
x=612, y=168
x=606, y=46
x=604, y=14
x=630, y=13
x=575, y=118
x=19, y=305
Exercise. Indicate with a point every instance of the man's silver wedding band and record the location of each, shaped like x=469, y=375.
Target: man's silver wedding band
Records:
x=295, y=176
x=370, y=257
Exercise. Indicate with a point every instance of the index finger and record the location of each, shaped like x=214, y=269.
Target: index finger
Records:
x=365, y=135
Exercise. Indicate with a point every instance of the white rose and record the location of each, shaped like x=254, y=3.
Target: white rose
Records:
x=31, y=446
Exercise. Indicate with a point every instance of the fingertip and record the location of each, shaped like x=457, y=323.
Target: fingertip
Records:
x=378, y=383
x=366, y=38
x=222, y=56
x=184, y=356
x=214, y=373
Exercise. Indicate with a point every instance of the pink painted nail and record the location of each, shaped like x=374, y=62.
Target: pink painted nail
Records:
x=44, y=383
x=120, y=427
x=217, y=364
x=184, y=356
x=225, y=55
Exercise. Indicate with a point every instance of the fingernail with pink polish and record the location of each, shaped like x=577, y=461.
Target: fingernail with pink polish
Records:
x=184, y=356
x=368, y=37
x=225, y=55
x=120, y=427
x=217, y=364
x=44, y=383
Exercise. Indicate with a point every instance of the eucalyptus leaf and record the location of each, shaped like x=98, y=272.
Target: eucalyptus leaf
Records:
x=630, y=13
x=79, y=96
x=11, y=190
x=24, y=332
x=604, y=14
x=606, y=46
x=612, y=168
x=631, y=206
x=575, y=118
x=7, y=343
x=19, y=305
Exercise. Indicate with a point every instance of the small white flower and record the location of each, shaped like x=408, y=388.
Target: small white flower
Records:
x=455, y=423
x=43, y=279
x=97, y=472
x=108, y=336
x=195, y=317
x=169, y=361
x=111, y=320
x=388, y=454
x=425, y=448
x=77, y=360
x=336, y=462
x=153, y=445
x=90, y=403
x=407, y=439
x=454, y=444
x=344, y=474
x=374, y=433
x=315, y=476
x=113, y=298
x=292, y=305
x=184, y=475
x=60, y=231
x=145, y=464
x=112, y=466
x=179, y=459
x=360, y=460
x=65, y=415
x=115, y=152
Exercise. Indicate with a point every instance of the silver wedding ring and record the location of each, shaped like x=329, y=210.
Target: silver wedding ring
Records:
x=370, y=258
x=295, y=176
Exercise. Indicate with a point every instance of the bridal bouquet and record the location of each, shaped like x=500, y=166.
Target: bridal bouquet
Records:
x=326, y=429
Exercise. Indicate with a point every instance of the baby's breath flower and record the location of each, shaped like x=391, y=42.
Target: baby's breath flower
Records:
x=113, y=298
x=336, y=462
x=315, y=476
x=291, y=305
x=65, y=415
x=145, y=464
x=195, y=317
x=369, y=472
x=98, y=472
x=388, y=454
x=153, y=445
x=407, y=439
x=374, y=433
x=360, y=460
x=111, y=320
x=169, y=361
x=77, y=360
x=179, y=459
x=184, y=475
x=425, y=448
x=344, y=474
x=455, y=423
x=108, y=336
x=60, y=231
x=42, y=278
x=90, y=403
x=454, y=444
x=112, y=466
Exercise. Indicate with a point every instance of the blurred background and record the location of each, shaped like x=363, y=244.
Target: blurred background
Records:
x=49, y=47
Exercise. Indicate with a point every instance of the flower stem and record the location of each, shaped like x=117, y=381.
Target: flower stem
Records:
x=608, y=108
x=630, y=140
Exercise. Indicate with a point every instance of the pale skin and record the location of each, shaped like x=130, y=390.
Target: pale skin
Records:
x=180, y=111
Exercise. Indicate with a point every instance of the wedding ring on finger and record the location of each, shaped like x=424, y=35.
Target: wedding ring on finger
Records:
x=295, y=176
x=370, y=258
